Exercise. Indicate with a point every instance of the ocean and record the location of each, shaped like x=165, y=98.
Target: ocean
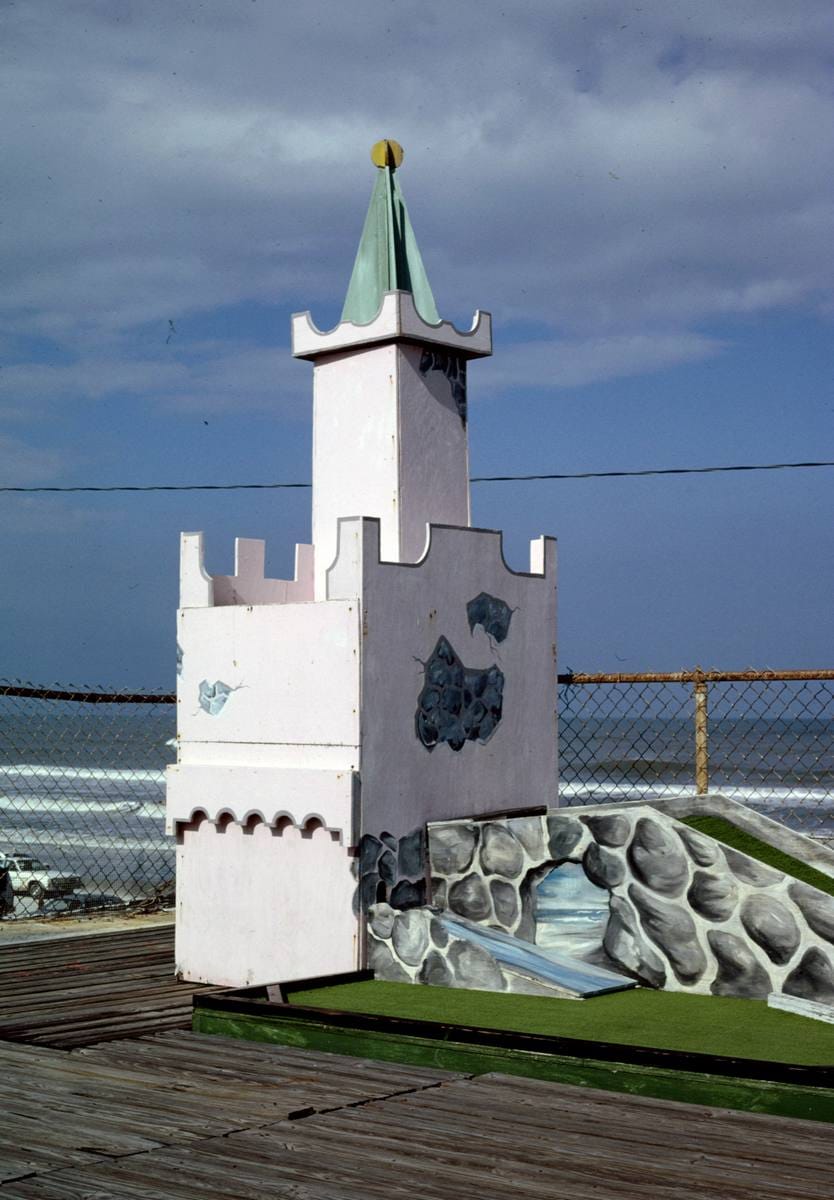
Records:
x=82, y=786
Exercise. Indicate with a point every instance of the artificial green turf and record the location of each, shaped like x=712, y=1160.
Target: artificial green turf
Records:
x=664, y=1020
x=724, y=831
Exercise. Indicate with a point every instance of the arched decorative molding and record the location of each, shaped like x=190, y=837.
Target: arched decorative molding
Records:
x=397, y=319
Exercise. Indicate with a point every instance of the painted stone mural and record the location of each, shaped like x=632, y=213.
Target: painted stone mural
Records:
x=391, y=870
x=684, y=912
x=425, y=945
x=457, y=704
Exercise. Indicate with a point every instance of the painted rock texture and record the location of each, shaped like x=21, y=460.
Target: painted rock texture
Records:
x=740, y=973
x=410, y=937
x=713, y=896
x=771, y=925
x=391, y=869
x=564, y=835
x=452, y=847
x=816, y=908
x=685, y=912
x=625, y=944
x=611, y=829
x=656, y=857
x=470, y=897
x=813, y=978
x=501, y=854
x=602, y=867
x=672, y=929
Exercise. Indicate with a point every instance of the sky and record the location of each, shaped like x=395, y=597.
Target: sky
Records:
x=640, y=194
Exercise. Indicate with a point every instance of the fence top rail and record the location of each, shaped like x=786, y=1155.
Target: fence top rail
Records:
x=36, y=693
x=698, y=676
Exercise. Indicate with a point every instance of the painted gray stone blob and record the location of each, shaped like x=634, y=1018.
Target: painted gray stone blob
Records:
x=439, y=934
x=387, y=867
x=609, y=829
x=368, y=886
x=504, y=902
x=369, y=851
x=493, y=615
x=602, y=867
x=408, y=895
x=470, y=898
x=816, y=908
x=452, y=848
x=381, y=919
x=212, y=697
x=748, y=870
x=389, y=840
x=657, y=859
x=564, y=835
x=672, y=929
x=383, y=964
x=713, y=896
x=772, y=926
x=529, y=831
x=625, y=945
x=500, y=852
x=410, y=937
x=739, y=971
x=475, y=967
x=813, y=978
x=435, y=971
x=702, y=850
x=410, y=855
x=457, y=704
x=438, y=892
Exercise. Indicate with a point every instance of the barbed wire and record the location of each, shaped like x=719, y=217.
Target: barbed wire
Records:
x=556, y=475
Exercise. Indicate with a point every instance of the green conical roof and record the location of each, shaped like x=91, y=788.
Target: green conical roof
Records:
x=388, y=258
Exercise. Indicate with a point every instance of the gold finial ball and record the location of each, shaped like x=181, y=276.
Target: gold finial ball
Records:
x=386, y=153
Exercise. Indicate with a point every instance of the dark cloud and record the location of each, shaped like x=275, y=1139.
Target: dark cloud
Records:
x=617, y=175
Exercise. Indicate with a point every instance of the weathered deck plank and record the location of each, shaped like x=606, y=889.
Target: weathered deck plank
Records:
x=72, y=991
x=181, y=1116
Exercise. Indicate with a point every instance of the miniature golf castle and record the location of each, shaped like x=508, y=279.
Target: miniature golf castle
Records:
x=366, y=766
x=405, y=675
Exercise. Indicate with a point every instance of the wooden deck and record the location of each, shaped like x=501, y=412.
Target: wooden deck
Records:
x=182, y=1115
x=71, y=991
x=175, y=1115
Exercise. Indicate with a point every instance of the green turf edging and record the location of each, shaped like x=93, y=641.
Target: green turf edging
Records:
x=674, y=1021
x=724, y=831
x=747, y=1095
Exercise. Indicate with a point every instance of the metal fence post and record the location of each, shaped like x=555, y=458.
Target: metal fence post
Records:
x=701, y=735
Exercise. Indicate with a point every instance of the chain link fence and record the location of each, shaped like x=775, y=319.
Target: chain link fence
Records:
x=82, y=784
x=82, y=796
x=765, y=738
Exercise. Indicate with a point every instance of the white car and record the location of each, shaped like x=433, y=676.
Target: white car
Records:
x=32, y=877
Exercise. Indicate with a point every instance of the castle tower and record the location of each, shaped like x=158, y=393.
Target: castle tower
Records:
x=405, y=674
x=389, y=392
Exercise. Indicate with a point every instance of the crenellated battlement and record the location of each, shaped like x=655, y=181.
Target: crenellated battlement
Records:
x=249, y=584
x=446, y=546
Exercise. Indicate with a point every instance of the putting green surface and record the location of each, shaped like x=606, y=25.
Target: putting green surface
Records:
x=663, y=1020
x=724, y=831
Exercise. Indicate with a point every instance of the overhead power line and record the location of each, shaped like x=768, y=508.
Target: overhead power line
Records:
x=254, y=487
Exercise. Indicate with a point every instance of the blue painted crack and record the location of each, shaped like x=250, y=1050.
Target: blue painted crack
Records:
x=493, y=615
x=212, y=697
x=453, y=367
x=457, y=704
